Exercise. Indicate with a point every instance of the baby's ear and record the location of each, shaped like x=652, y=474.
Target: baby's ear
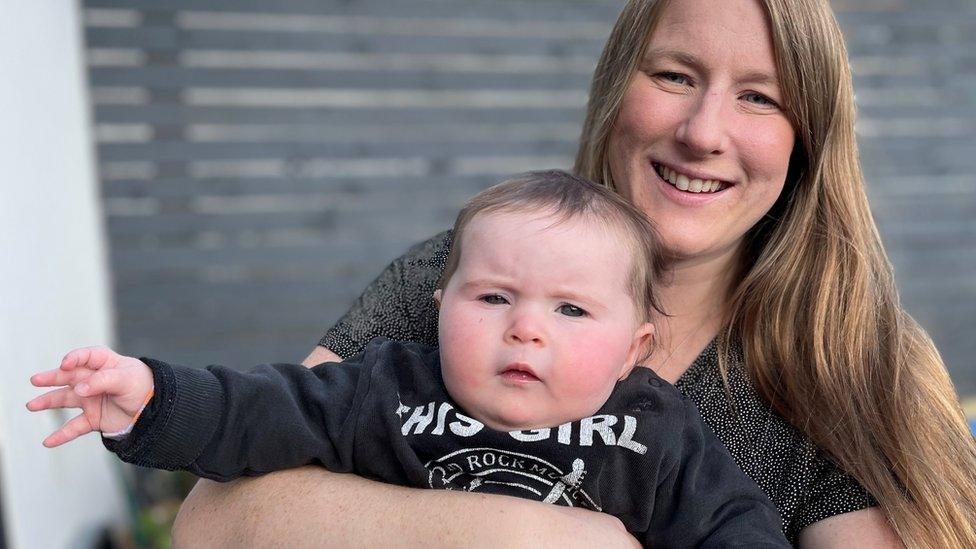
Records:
x=437, y=297
x=639, y=348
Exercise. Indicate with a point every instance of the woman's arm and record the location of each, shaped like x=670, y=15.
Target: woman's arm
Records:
x=311, y=507
x=864, y=529
x=319, y=355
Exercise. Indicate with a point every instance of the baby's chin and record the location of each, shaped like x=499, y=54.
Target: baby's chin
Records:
x=521, y=420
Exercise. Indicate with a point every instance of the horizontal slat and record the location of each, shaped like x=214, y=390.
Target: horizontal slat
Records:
x=361, y=186
x=158, y=151
x=852, y=13
x=338, y=272
x=286, y=343
x=869, y=38
x=500, y=166
x=912, y=237
x=184, y=114
x=543, y=10
x=904, y=156
x=172, y=38
x=233, y=319
x=161, y=260
x=914, y=213
x=384, y=99
x=188, y=299
x=317, y=216
x=227, y=326
x=923, y=262
x=344, y=278
x=180, y=77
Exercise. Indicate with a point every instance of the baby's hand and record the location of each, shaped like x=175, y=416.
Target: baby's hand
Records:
x=109, y=388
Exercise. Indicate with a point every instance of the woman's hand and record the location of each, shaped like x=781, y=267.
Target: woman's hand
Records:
x=311, y=507
x=599, y=524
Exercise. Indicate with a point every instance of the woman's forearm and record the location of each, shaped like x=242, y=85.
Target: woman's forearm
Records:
x=319, y=355
x=865, y=529
x=312, y=507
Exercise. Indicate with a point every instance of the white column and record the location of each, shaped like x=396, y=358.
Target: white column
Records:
x=54, y=291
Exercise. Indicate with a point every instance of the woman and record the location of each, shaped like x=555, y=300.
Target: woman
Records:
x=730, y=123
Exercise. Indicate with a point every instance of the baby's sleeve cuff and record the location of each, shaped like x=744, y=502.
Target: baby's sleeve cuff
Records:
x=119, y=435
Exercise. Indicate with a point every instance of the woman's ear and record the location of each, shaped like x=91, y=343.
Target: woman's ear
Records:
x=639, y=348
x=437, y=298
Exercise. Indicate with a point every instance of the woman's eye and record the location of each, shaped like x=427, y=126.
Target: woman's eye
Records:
x=673, y=78
x=494, y=299
x=571, y=310
x=760, y=100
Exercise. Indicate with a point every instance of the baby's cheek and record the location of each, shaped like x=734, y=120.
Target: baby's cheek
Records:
x=463, y=357
x=598, y=351
x=597, y=363
x=459, y=332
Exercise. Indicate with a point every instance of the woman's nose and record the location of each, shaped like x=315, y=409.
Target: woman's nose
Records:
x=703, y=131
x=525, y=327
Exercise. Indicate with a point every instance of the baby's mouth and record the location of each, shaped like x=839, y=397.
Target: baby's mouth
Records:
x=519, y=372
x=687, y=183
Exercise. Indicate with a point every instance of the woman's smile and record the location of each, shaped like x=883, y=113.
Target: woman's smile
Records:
x=681, y=180
x=670, y=183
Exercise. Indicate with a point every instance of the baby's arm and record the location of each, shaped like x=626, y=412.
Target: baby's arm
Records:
x=220, y=423
x=216, y=422
x=110, y=389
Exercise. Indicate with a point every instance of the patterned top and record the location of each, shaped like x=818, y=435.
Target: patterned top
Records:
x=797, y=476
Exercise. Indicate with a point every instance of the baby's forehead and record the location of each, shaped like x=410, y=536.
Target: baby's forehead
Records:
x=588, y=243
x=554, y=220
x=559, y=228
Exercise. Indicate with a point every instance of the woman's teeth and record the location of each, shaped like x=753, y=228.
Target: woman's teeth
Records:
x=685, y=183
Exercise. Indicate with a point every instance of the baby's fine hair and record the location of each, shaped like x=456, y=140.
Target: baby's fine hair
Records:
x=565, y=196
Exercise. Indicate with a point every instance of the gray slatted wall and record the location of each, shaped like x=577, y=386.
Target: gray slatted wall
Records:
x=262, y=161
x=915, y=83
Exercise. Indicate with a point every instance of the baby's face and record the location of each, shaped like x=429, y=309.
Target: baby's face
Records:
x=536, y=324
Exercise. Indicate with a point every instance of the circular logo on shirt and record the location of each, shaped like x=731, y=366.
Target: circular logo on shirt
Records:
x=504, y=472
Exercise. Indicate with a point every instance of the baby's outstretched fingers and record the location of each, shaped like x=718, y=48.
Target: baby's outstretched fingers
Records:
x=72, y=429
x=54, y=378
x=58, y=398
x=93, y=358
x=112, y=382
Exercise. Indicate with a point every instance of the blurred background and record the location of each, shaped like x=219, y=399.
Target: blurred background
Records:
x=215, y=181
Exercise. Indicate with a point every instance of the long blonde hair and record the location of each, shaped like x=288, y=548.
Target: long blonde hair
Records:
x=816, y=309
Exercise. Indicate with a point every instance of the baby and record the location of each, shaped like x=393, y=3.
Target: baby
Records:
x=543, y=314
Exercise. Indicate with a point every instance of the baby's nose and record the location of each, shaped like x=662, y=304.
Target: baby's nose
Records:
x=525, y=328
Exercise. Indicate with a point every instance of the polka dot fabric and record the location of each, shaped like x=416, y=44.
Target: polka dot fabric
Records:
x=796, y=475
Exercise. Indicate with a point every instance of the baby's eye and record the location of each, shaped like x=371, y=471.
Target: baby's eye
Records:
x=760, y=100
x=571, y=310
x=493, y=299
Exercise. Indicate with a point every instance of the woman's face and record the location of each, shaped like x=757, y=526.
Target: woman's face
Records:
x=702, y=114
